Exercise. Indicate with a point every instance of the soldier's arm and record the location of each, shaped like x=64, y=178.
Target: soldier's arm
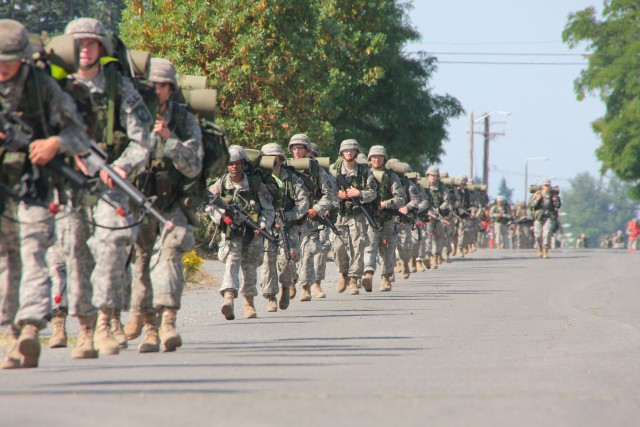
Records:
x=301, y=199
x=186, y=151
x=446, y=203
x=64, y=119
x=329, y=194
x=398, y=194
x=368, y=194
x=414, y=198
x=268, y=214
x=216, y=213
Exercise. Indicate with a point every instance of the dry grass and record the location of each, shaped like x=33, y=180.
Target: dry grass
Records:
x=202, y=280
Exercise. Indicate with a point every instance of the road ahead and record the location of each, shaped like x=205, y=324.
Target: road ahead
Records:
x=499, y=338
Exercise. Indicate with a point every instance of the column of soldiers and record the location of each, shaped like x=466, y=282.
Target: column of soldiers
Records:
x=63, y=253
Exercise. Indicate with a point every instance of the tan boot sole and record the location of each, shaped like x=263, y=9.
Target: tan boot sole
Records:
x=30, y=350
x=227, y=311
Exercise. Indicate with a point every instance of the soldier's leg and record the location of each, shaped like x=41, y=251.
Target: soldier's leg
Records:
x=358, y=231
x=251, y=259
x=58, y=277
x=269, y=272
x=141, y=294
x=10, y=264
x=309, y=247
x=370, y=258
x=320, y=259
x=79, y=265
x=342, y=247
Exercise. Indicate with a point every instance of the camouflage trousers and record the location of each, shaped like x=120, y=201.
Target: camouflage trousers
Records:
x=320, y=259
x=543, y=232
x=239, y=256
x=275, y=260
x=464, y=232
x=382, y=244
x=499, y=234
x=31, y=293
x=350, y=259
x=309, y=247
x=70, y=263
x=157, y=268
x=10, y=264
x=437, y=237
x=112, y=250
x=405, y=242
x=419, y=238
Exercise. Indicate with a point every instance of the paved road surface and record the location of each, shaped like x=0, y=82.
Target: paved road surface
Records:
x=499, y=338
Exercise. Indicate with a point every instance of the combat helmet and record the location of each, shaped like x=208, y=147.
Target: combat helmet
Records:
x=236, y=153
x=377, y=150
x=444, y=174
x=349, y=144
x=300, y=139
x=315, y=150
x=463, y=179
x=433, y=170
x=90, y=28
x=14, y=41
x=162, y=71
x=272, y=149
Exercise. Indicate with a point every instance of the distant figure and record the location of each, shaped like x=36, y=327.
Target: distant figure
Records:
x=618, y=240
x=633, y=230
x=581, y=241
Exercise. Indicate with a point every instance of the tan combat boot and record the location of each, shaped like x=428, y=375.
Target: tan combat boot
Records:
x=367, y=281
x=412, y=266
x=105, y=343
x=316, y=290
x=285, y=297
x=306, y=293
x=539, y=252
x=133, y=328
x=84, y=348
x=406, y=270
x=169, y=338
x=227, y=305
x=545, y=253
x=292, y=291
x=151, y=340
x=29, y=346
x=342, y=283
x=58, y=329
x=398, y=267
x=434, y=262
x=420, y=265
x=249, y=308
x=13, y=358
x=117, y=330
x=353, y=286
x=272, y=305
x=385, y=285
x=427, y=262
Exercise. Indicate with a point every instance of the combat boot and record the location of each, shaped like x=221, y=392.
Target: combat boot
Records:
x=227, y=305
x=133, y=328
x=385, y=285
x=105, y=343
x=29, y=346
x=117, y=330
x=342, y=283
x=13, y=358
x=151, y=341
x=545, y=253
x=412, y=266
x=434, y=263
x=398, y=267
x=292, y=291
x=353, y=286
x=58, y=329
x=84, y=348
x=169, y=338
x=427, y=262
x=539, y=252
x=285, y=298
x=249, y=308
x=406, y=270
x=367, y=281
x=316, y=290
x=420, y=265
x=306, y=293
x=272, y=305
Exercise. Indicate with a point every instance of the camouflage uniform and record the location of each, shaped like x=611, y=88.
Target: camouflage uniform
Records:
x=544, y=208
x=441, y=198
x=500, y=214
x=351, y=221
x=234, y=250
x=34, y=229
x=406, y=230
x=383, y=243
x=463, y=211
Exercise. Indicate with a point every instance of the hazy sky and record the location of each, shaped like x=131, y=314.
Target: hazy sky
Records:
x=546, y=118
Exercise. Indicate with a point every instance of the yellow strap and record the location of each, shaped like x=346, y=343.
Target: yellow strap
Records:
x=278, y=180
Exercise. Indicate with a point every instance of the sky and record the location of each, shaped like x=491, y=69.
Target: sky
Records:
x=545, y=120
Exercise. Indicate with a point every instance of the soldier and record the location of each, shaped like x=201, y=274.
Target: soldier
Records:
x=409, y=233
x=291, y=209
x=122, y=128
x=33, y=104
x=241, y=248
x=390, y=198
x=451, y=229
x=441, y=199
x=544, y=206
x=157, y=262
x=323, y=195
x=500, y=214
x=462, y=209
x=351, y=219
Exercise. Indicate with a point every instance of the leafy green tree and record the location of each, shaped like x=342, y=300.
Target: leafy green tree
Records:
x=332, y=69
x=505, y=191
x=596, y=208
x=612, y=72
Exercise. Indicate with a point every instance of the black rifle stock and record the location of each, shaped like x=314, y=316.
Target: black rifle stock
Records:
x=236, y=218
x=406, y=219
x=342, y=182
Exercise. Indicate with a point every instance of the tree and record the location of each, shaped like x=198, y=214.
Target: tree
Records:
x=612, y=72
x=505, y=191
x=332, y=69
x=597, y=208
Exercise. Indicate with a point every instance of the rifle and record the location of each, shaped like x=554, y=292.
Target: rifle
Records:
x=342, y=182
x=235, y=217
x=326, y=221
x=406, y=219
x=284, y=236
x=18, y=136
x=435, y=214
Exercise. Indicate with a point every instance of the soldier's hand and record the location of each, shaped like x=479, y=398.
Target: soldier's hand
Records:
x=80, y=165
x=404, y=210
x=41, y=151
x=342, y=195
x=311, y=213
x=3, y=135
x=538, y=196
x=160, y=128
x=104, y=176
x=262, y=228
x=353, y=192
x=383, y=205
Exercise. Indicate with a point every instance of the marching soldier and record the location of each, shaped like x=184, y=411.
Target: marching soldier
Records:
x=463, y=211
x=500, y=214
x=544, y=205
x=441, y=198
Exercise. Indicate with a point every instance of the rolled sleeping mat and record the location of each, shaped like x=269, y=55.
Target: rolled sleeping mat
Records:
x=411, y=175
x=303, y=164
x=63, y=54
x=400, y=168
x=192, y=82
x=324, y=162
x=140, y=61
x=202, y=102
x=534, y=188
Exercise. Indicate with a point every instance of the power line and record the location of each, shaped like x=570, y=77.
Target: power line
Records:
x=514, y=63
x=531, y=54
x=496, y=43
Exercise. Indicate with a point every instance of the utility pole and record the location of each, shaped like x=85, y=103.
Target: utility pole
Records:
x=487, y=139
x=471, y=146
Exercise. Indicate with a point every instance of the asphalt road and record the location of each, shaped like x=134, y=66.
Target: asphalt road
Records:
x=499, y=338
